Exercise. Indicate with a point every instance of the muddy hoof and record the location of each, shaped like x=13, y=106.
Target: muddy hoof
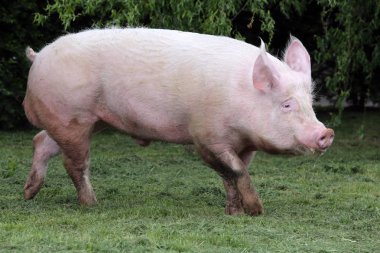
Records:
x=254, y=210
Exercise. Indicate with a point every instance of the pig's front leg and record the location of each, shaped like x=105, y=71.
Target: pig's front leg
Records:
x=241, y=195
x=234, y=205
x=241, y=182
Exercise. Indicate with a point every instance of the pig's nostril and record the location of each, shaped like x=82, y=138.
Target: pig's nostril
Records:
x=322, y=142
x=325, y=139
x=322, y=138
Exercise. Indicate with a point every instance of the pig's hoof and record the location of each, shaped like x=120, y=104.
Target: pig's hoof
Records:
x=29, y=193
x=31, y=188
x=88, y=200
x=255, y=209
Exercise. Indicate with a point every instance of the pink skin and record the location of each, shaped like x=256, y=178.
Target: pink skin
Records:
x=44, y=149
x=226, y=97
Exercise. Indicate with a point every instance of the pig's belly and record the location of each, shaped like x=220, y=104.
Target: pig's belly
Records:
x=149, y=122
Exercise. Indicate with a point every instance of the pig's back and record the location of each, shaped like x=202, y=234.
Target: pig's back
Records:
x=141, y=54
x=134, y=48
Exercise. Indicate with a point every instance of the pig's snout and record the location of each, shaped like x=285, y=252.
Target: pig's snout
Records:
x=325, y=139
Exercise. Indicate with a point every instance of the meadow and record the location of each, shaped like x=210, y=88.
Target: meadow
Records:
x=162, y=198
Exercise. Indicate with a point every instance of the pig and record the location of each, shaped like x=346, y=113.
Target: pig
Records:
x=227, y=97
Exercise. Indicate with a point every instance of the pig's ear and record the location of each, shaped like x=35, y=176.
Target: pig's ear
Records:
x=297, y=57
x=265, y=76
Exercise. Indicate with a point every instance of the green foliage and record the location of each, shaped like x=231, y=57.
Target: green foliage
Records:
x=162, y=198
x=13, y=66
x=212, y=17
x=350, y=44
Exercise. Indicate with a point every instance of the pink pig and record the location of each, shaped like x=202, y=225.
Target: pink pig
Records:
x=228, y=98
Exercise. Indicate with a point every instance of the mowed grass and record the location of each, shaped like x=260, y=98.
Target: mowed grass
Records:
x=162, y=198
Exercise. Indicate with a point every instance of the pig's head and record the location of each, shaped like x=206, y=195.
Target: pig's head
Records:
x=285, y=95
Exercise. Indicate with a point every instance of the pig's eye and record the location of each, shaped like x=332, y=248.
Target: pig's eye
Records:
x=289, y=105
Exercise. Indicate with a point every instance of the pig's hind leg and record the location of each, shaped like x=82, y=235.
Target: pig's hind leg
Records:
x=74, y=141
x=44, y=149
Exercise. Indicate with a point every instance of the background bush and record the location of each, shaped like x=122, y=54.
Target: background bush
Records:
x=342, y=36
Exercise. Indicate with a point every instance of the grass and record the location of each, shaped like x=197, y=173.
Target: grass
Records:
x=164, y=199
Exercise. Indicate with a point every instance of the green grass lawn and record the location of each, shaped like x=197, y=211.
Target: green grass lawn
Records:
x=162, y=198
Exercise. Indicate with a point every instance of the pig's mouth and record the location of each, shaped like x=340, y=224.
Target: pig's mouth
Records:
x=308, y=151
x=302, y=148
x=298, y=148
